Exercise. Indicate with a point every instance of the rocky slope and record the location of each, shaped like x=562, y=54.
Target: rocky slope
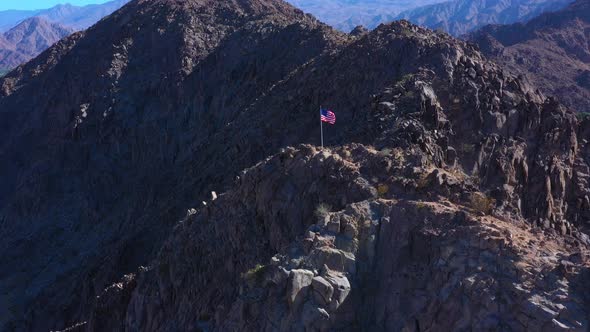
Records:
x=26, y=40
x=381, y=253
x=459, y=17
x=552, y=50
x=443, y=168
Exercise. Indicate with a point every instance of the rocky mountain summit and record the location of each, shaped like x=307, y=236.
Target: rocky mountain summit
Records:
x=453, y=195
x=552, y=50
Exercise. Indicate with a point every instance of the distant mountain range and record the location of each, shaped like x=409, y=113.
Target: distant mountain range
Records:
x=462, y=16
x=456, y=17
x=553, y=50
x=25, y=34
x=29, y=38
x=76, y=17
x=345, y=15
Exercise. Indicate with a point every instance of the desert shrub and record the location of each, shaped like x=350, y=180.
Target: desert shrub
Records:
x=423, y=182
x=467, y=148
x=382, y=190
x=254, y=273
x=482, y=203
x=322, y=210
x=420, y=205
x=385, y=152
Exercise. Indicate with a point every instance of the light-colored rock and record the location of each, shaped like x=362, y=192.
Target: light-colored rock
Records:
x=322, y=290
x=298, y=286
x=341, y=287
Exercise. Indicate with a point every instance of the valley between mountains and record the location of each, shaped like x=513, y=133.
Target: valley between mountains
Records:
x=451, y=195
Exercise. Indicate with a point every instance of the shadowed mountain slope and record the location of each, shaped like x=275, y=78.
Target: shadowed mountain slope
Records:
x=120, y=118
x=99, y=168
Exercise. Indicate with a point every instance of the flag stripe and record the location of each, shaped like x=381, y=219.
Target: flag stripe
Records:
x=328, y=116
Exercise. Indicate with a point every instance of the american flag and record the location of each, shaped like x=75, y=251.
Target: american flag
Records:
x=328, y=116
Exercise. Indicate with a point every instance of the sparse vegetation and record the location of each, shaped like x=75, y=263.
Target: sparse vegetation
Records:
x=583, y=116
x=382, y=190
x=482, y=203
x=423, y=181
x=254, y=273
x=420, y=205
x=385, y=152
x=467, y=148
x=322, y=210
x=406, y=78
x=407, y=33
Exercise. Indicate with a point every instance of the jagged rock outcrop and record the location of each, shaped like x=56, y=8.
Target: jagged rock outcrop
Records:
x=377, y=254
x=98, y=169
x=551, y=50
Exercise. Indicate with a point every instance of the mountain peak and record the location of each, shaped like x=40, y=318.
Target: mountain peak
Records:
x=28, y=39
x=36, y=33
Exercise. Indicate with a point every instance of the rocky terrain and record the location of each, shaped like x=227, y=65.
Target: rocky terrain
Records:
x=26, y=40
x=459, y=17
x=452, y=194
x=552, y=50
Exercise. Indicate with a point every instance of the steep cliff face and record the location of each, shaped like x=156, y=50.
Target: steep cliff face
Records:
x=552, y=50
x=124, y=139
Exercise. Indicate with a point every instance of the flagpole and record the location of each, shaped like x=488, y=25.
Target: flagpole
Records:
x=321, y=127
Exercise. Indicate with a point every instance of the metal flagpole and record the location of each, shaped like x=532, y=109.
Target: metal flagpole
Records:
x=321, y=127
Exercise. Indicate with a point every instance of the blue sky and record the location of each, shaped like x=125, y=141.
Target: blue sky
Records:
x=42, y=4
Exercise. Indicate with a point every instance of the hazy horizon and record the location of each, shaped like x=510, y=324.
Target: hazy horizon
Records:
x=43, y=4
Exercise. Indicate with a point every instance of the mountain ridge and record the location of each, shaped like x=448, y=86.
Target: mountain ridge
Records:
x=27, y=40
x=55, y=23
x=459, y=17
x=193, y=97
x=346, y=15
x=76, y=17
